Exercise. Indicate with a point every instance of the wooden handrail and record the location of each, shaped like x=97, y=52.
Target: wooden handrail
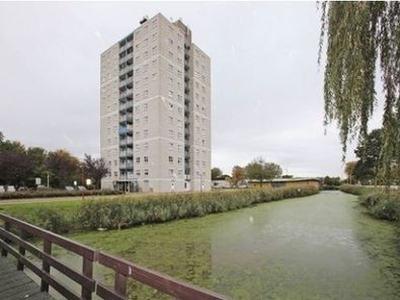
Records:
x=123, y=269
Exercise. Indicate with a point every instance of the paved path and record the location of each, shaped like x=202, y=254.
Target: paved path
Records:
x=15, y=285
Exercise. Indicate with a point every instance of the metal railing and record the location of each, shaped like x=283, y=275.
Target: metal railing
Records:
x=13, y=240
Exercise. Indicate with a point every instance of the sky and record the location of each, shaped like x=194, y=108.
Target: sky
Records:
x=266, y=84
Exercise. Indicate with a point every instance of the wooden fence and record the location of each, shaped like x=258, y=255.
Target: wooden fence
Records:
x=13, y=240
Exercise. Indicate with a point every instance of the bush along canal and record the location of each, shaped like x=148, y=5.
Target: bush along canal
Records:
x=316, y=247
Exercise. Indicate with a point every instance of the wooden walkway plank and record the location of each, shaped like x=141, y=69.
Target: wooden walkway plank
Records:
x=16, y=285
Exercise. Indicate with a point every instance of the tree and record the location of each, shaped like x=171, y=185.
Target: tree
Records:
x=358, y=35
x=259, y=170
x=15, y=165
x=63, y=167
x=95, y=168
x=15, y=168
x=349, y=170
x=215, y=173
x=370, y=153
x=37, y=156
x=238, y=175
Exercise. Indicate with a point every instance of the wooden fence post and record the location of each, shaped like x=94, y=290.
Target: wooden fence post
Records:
x=44, y=286
x=6, y=227
x=21, y=249
x=87, y=270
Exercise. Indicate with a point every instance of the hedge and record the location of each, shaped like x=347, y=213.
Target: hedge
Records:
x=55, y=193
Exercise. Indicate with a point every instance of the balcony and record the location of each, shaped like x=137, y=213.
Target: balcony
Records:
x=187, y=90
x=187, y=55
x=123, y=130
x=187, y=100
x=126, y=165
x=187, y=78
x=187, y=68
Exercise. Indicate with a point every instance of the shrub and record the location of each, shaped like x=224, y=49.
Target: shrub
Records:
x=51, y=219
x=56, y=193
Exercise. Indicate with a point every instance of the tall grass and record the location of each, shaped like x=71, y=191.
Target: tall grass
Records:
x=380, y=203
x=128, y=212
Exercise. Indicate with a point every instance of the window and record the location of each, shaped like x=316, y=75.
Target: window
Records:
x=145, y=159
x=171, y=133
x=170, y=68
x=179, y=160
x=170, y=120
x=170, y=93
x=154, y=50
x=138, y=172
x=170, y=42
x=137, y=134
x=146, y=172
x=145, y=106
x=171, y=172
x=145, y=147
x=145, y=119
x=145, y=134
x=138, y=159
x=154, y=36
x=154, y=62
x=171, y=145
x=145, y=94
x=137, y=147
x=170, y=55
x=146, y=55
x=170, y=159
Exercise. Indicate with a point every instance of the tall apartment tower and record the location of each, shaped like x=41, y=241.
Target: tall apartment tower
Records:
x=155, y=110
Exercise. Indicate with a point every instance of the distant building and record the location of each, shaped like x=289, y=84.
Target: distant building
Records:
x=155, y=110
x=286, y=182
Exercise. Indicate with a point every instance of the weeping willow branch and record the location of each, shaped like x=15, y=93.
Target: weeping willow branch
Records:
x=358, y=35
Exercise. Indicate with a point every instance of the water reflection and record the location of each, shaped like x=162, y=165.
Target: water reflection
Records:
x=298, y=249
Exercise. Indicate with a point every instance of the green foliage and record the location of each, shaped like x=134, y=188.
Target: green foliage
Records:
x=64, y=168
x=215, y=173
x=56, y=193
x=125, y=212
x=357, y=190
x=52, y=219
x=358, y=33
x=383, y=205
x=259, y=170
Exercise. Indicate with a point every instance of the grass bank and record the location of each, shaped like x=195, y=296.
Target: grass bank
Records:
x=124, y=211
x=380, y=203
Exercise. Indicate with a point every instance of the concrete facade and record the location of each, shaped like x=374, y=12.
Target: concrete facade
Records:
x=155, y=110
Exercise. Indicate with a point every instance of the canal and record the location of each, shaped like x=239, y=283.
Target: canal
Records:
x=318, y=247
